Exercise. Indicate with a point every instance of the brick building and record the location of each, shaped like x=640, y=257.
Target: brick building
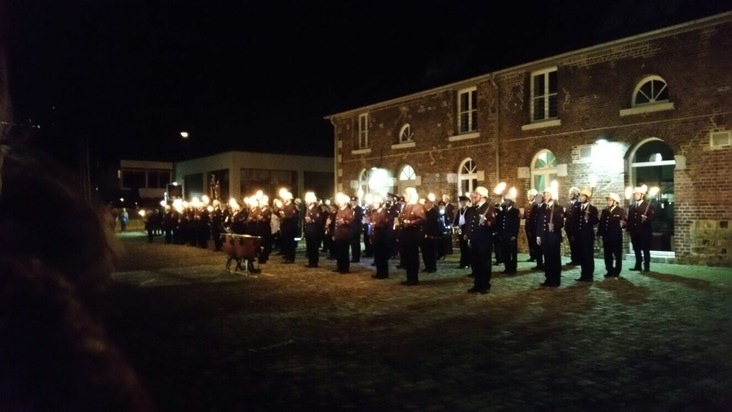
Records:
x=650, y=109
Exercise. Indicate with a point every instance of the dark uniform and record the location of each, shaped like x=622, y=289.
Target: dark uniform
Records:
x=550, y=221
x=586, y=221
x=571, y=214
x=313, y=229
x=610, y=229
x=479, y=230
x=382, y=237
x=342, y=236
x=411, y=222
x=508, y=233
x=640, y=216
x=289, y=221
x=432, y=234
x=460, y=223
x=536, y=210
x=217, y=227
x=356, y=229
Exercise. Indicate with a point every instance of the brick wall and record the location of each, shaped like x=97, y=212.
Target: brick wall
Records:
x=594, y=86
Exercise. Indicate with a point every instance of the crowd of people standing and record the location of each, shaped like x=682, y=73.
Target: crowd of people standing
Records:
x=418, y=232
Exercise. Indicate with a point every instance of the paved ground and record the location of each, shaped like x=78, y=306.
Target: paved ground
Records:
x=293, y=338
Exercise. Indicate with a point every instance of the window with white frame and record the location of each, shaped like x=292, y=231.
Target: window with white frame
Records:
x=406, y=178
x=652, y=89
x=405, y=134
x=543, y=170
x=363, y=131
x=467, y=177
x=468, y=110
x=544, y=96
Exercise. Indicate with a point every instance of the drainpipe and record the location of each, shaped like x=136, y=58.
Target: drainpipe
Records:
x=496, y=126
x=335, y=157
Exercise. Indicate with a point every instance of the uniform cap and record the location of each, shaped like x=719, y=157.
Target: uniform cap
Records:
x=639, y=189
x=613, y=196
x=510, y=197
x=463, y=198
x=533, y=192
x=481, y=191
x=585, y=191
x=574, y=190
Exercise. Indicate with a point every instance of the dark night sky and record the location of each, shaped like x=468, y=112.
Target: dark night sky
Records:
x=128, y=75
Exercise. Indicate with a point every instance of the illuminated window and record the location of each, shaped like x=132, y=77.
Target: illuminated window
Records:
x=406, y=135
x=467, y=177
x=544, y=96
x=543, y=170
x=407, y=173
x=363, y=131
x=467, y=110
x=652, y=89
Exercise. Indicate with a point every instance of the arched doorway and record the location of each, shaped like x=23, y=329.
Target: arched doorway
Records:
x=652, y=163
x=467, y=177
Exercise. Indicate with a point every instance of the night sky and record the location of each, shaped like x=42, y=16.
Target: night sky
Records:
x=129, y=75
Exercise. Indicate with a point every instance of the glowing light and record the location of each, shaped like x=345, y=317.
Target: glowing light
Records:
x=500, y=188
x=141, y=212
x=282, y=193
x=162, y=203
x=379, y=180
x=233, y=203
x=196, y=202
x=205, y=199
x=628, y=192
x=359, y=193
x=431, y=197
x=184, y=134
x=210, y=209
x=654, y=191
x=259, y=195
x=310, y=197
x=369, y=198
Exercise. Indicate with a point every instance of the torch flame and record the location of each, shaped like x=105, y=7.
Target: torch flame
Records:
x=500, y=188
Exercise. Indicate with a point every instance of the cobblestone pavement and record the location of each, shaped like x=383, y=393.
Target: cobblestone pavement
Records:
x=293, y=338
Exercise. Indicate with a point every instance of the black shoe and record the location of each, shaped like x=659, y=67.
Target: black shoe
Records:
x=379, y=276
x=635, y=269
x=311, y=266
x=538, y=267
x=410, y=283
x=647, y=270
x=583, y=279
x=473, y=290
x=549, y=285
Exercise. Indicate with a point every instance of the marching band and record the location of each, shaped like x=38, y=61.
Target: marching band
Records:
x=406, y=228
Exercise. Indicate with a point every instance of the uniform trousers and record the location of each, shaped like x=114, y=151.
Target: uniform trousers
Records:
x=480, y=260
x=551, y=248
x=642, y=249
x=612, y=249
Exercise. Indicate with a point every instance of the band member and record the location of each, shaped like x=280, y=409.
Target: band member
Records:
x=537, y=208
x=313, y=229
x=528, y=227
x=289, y=217
x=342, y=233
x=432, y=233
x=586, y=221
x=459, y=223
x=356, y=230
x=640, y=215
x=612, y=220
x=479, y=228
x=411, y=222
x=382, y=233
x=550, y=221
x=570, y=224
x=508, y=233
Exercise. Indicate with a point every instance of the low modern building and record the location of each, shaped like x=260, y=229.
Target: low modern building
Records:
x=144, y=180
x=650, y=109
x=240, y=174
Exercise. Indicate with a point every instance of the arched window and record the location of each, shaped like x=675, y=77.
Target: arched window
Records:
x=406, y=178
x=543, y=169
x=652, y=89
x=467, y=177
x=363, y=183
x=405, y=134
